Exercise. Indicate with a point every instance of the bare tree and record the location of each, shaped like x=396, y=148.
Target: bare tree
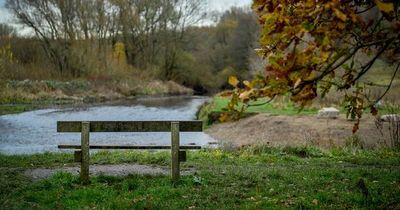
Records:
x=6, y=30
x=151, y=30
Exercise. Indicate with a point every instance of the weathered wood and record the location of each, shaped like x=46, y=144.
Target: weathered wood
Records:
x=182, y=156
x=85, y=152
x=130, y=126
x=78, y=155
x=136, y=147
x=175, y=151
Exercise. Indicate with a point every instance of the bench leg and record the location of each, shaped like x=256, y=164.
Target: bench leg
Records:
x=85, y=152
x=175, y=151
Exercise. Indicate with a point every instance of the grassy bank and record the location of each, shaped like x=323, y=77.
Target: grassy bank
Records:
x=280, y=106
x=277, y=107
x=252, y=178
x=19, y=96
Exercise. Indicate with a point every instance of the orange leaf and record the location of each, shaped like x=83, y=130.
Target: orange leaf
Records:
x=225, y=93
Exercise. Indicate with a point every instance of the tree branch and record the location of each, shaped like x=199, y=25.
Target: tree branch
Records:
x=389, y=86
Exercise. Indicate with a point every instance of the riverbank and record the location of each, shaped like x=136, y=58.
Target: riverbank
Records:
x=250, y=178
x=280, y=123
x=20, y=96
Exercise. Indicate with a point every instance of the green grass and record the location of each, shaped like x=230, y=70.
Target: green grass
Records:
x=286, y=108
x=25, y=107
x=277, y=107
x=252, y=178
x=15, y=109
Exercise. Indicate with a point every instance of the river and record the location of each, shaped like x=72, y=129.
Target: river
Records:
x=35, y=131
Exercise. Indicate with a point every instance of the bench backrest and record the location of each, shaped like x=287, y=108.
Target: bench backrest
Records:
x=129, y=126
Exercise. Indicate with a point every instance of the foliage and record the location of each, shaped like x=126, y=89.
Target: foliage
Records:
x=119, y=53
x=312, y=46
x=213, y=53
x=71, y=31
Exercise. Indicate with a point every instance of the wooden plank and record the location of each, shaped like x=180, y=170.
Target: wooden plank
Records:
x=175, y=151
x=85, y=153
x=137, y=147
x=130, y=126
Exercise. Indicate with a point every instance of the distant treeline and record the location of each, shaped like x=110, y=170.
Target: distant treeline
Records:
x=122, y=39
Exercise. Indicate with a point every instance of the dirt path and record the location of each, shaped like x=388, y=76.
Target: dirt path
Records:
x=273, y=130
x=110, y=170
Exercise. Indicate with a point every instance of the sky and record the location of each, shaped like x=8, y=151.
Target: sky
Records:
x=222, y=5
x=212, y=5
x=4, y=15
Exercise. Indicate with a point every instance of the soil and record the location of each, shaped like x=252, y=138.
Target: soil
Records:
x=267, y=129
x=110, y=170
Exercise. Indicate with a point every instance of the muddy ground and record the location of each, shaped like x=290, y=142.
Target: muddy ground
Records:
x=295, y=131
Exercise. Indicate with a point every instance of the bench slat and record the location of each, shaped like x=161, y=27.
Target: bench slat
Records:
x=130, y=126
x=188, y=147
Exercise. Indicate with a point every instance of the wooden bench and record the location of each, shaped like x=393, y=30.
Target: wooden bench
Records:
x=178, y=152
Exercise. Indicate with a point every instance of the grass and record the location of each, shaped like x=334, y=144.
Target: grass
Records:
x=252, y=178
x=277, y=107
x=15, y=109
x=280, y=106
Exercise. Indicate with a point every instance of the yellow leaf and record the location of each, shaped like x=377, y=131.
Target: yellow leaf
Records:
x=384, y=7
x=233, y=81
x=245, y=95
x=324, y=56
x=297, y=83
x=248, y=84
x=340, y=14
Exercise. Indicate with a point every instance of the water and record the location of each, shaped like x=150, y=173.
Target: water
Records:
x=35, y=131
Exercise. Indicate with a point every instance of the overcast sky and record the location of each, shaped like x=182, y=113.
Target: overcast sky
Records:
x=226, y=4
x=219, y=5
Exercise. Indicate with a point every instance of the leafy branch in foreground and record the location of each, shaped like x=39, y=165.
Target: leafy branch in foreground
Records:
x=312, y=46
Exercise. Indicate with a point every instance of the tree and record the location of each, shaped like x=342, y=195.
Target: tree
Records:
x=153, y=30
x=214, y=52
x=6, y=31
x=78, y=36
x=69, y=30
x=235, y=34
x=312, y=46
